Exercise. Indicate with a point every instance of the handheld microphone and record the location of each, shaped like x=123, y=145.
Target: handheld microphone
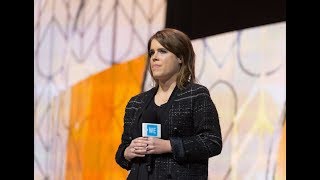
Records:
x=151, y=130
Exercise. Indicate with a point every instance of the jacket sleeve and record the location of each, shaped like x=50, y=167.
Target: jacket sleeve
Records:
x=207, y=141
x=125, y=138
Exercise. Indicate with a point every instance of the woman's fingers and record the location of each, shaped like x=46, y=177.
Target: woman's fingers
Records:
x=140, y=139
x=151, y=151
x=132, y=150
x=140, y=145
x=140, y=142
x=138, y=152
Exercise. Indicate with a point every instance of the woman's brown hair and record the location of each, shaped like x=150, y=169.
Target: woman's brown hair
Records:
x=179, y=44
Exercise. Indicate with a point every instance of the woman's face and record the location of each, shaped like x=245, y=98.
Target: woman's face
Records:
x=164, y=64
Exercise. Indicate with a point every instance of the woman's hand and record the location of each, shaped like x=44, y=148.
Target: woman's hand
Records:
x=158, y=146
x=137, y=148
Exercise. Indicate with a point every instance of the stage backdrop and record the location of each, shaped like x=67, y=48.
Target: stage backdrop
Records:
x=90, y=58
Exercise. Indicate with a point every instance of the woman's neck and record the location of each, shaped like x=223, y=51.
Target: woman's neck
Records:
x=166, y=86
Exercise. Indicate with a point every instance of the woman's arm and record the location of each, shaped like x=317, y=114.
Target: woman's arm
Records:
x=125, y=138
x=207, y=141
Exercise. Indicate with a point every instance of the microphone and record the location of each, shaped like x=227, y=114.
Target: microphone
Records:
x=150, y=130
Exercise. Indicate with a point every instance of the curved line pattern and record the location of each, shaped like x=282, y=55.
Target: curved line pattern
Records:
x=210, y=52
x=225, y=137
x=129, y=47
x=235, y=104
x=201, y=71
x=227, y=173
x=245, y=70
x=283, y=117
x=38, y=165
x=146, y=71
x=220, y=64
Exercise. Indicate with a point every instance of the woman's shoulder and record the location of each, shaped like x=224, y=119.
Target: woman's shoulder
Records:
x=192, y=90
x=196, y=88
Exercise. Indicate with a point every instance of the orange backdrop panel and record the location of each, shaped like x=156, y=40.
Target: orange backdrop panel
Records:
x=96, y=120
x=281, y=163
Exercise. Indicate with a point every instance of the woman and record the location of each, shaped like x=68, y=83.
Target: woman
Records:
x=190, y=129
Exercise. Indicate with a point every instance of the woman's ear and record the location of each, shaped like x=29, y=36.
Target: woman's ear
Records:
x=179, y=60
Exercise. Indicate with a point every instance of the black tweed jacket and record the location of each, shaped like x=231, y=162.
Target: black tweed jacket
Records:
x=192, y=127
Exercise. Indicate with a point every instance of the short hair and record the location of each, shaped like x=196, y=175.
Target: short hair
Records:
x=179, y=44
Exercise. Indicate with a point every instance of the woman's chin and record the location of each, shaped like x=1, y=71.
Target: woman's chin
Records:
x=157, y=76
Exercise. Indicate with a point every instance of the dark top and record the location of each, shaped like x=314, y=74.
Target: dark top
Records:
x=152, y=114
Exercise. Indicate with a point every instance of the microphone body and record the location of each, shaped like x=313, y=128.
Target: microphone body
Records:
x=150, y=130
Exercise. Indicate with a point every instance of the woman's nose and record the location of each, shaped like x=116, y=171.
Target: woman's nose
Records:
x=155, y=56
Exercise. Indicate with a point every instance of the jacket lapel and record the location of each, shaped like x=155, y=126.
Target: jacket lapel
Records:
x=145, y=101
x=165, y=120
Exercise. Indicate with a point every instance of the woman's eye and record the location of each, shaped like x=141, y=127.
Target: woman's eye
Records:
x=162, y=51
x=151, y=53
